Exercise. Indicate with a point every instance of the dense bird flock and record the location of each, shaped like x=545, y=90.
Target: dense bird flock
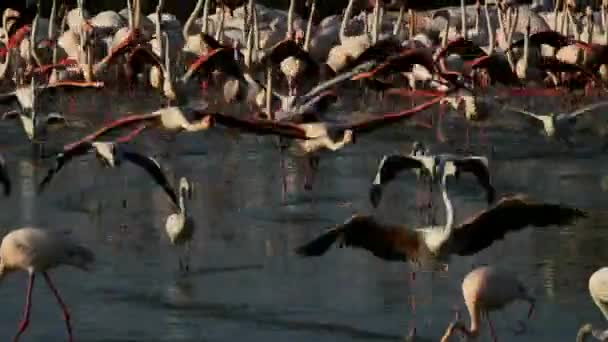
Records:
x=290, y=73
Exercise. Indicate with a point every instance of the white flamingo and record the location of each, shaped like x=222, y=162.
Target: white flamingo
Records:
x=180, y=225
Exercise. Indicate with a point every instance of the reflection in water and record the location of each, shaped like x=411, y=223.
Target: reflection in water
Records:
x=548, y=272
x=28, y=191
x=178, y=294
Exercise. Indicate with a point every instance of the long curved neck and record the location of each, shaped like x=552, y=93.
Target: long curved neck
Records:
x=345, y=20
x=192, y=17
x=449, y=210
x=182, y=201
x=463, y=17
x=491, y=31
x=313, y=7
x=290, y=12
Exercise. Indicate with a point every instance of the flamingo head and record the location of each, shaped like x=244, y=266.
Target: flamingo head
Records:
x=298, y=36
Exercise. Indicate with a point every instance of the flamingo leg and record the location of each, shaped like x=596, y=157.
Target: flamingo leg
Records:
x=64, y=308
x=25, y=321
x=491, y=326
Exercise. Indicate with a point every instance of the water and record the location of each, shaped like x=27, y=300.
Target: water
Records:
x=246, y=282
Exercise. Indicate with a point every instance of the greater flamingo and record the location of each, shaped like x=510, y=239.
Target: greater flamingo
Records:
x=487, y=289
x=180, y=225
x=36, y=250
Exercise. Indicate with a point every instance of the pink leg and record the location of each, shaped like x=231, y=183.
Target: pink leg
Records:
x=492, y=332
x=25, y=321
x=64, y=308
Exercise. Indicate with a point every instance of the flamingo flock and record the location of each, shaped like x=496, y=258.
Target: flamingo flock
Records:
x=257, y=70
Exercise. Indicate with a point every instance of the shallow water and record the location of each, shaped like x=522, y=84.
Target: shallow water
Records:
x=246, y=282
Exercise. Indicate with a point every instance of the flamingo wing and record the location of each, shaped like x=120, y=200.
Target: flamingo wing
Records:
x=152, y=167
x=465, y=48
x=61, y=159
x=363, y=231
x=262, y=126
x=478, y=166
x=388, y=169
x=218, y=59
x=369, y=125
x=511, y=213
x=586, y=109
x=8, y=98
x=335, y=81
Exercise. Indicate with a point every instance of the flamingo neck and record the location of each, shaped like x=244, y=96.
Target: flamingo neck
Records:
x=449, y=210
x=205, y=27
x=491, y=32
x=292, y=8
x=347, y=13
x=182, y=201
x=463, y=15
x=313, y=7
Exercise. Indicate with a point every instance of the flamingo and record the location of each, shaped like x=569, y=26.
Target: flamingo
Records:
x=597, y=289
x=172, y=119
x=559, y=125
x=391, y=165
x=112, y=154
x=180, y=225
x=487, y=289
x=432, y=246
x=36, y=250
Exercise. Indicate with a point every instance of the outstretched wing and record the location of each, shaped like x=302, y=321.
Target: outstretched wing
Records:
x=151, y=166
x=262, y=126
x=478, y=166
x=509, y=214
x=219, y=59
x=335, y=81
x=362, y=231
x=586, y=109
x=390, y=166
x=391, y=118
x=124, y=122
x=61, y=159
x=535, y=119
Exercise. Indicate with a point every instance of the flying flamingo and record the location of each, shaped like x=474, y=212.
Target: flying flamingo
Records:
x=180, y=225
x=432, y=246
x=559, y=125
x=35, y=251
x=487, y=289
x=112, y=154
x=391, y=165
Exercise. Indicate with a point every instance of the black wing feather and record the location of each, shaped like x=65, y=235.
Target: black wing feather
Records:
x=153, y=169
x=510, y=214
x=481, y=172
